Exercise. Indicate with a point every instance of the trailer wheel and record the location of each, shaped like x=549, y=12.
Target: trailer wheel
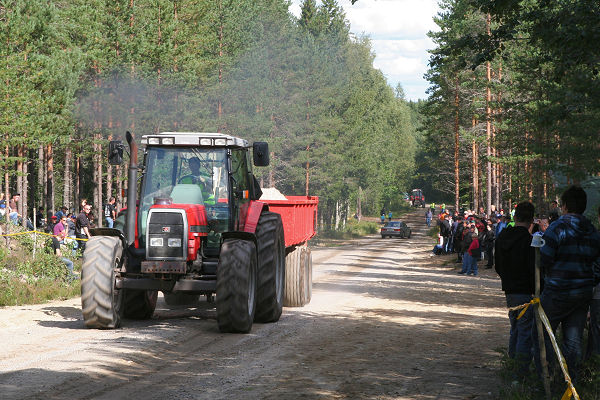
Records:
x=295, y=278
x=180, y=299
x=271, y=267
x=101, y=301
x=236, y=286
x=309, y=275
x=139, y=304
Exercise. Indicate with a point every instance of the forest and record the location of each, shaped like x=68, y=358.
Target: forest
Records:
x=79, y=73
x=514, y=102
x=512, y=110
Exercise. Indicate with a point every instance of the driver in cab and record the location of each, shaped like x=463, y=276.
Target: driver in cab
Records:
x=200, y=178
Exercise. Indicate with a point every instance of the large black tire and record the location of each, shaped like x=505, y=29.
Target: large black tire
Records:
x=271, y=267
x=295, y=278
x=236, y=286
x=180, y=299
x=139, y=304
x=101, y=301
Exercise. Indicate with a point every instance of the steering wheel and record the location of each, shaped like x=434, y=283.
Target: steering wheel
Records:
x=195, y=179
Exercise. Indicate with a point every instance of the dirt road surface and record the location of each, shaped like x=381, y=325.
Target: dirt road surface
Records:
x=386, y=322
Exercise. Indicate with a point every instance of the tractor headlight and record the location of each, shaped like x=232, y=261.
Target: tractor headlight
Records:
x=174, y=242
x=168, y=140
x=220, y=142
x=156, y=242
x=153, y=140
x=205, y=142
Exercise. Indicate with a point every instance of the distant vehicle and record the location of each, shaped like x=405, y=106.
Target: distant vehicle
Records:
x=396, y=229
x=417, y=198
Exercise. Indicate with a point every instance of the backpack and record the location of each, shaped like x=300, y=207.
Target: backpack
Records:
x=107, y=211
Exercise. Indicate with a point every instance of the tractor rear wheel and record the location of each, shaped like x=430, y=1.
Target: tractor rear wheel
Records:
x=271, y=267
x=297, y=277
x=236, y=286
x=139, y=304
x=101, y=301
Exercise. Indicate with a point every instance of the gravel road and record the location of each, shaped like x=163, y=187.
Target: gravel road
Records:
x=386, y=321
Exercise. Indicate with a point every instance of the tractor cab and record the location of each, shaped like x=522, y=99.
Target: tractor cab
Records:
x=200, y=184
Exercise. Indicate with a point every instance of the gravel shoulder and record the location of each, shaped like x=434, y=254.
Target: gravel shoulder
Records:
x=386, y=322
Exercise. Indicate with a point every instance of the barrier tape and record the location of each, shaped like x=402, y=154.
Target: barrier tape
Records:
x=570, y=392
x=40, y=233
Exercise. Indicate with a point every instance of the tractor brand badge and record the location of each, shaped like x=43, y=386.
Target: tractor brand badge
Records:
x=166, y=229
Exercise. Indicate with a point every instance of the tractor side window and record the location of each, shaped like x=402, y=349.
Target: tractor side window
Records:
x=240, y=170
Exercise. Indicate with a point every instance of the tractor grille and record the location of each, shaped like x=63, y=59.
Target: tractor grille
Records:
x=166, y=235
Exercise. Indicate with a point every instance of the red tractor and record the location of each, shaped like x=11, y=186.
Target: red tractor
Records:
x=417, y=198
x=198, y=229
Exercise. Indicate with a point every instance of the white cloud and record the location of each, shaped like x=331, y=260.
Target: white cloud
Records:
x=406, y=19
x=398, y=29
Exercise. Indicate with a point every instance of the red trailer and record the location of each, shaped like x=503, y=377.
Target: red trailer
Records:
x=299, y=217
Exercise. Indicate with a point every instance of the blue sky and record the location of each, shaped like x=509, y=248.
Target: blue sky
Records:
x=398, y=31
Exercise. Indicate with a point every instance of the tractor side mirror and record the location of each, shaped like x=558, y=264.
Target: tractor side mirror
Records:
x=260, y=152
x=115, y=152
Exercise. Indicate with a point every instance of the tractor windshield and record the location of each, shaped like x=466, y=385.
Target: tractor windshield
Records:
x=186, y=176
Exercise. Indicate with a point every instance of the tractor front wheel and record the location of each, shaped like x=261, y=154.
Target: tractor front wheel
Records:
x=101, y=301
x=236, y=286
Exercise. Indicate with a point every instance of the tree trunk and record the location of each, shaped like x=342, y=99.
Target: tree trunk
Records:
x=41, y=184
x=359, y=205
x=68, y=179
x=50, y=180
x=488, y=115
x=77, y=194
x=25, y=191
x=474, y=168
x=19, y=188
x=456, y=149
x=119, y=187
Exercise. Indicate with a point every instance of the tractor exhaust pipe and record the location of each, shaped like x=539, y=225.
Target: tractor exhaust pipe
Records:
x=131, y=189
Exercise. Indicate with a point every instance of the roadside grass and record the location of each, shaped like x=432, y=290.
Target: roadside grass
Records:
x=352, y=230
x=531, y=388
x=28, y=280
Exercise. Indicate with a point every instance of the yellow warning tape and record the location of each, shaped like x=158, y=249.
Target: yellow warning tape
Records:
x=40, y=233
x=570, y=392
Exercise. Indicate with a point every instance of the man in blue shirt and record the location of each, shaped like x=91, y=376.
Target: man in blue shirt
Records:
x=569, y=259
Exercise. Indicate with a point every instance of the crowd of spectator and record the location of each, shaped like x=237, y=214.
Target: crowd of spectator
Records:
x=69, y=229
x=569, y=267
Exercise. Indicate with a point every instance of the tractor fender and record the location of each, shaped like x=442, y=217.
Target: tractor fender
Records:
x=251, y=237
x=255, y=208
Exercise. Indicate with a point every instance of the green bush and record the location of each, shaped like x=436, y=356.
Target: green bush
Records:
x=28, y=280
x=361, y=228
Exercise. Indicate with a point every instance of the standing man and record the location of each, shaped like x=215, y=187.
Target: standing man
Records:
x=110, y=212
x=390, y=216
x=82, y=226
x=428, y=215
x=569, y=258
x=515, y=263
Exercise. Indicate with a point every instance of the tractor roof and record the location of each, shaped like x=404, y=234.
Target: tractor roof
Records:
x=193, y=139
